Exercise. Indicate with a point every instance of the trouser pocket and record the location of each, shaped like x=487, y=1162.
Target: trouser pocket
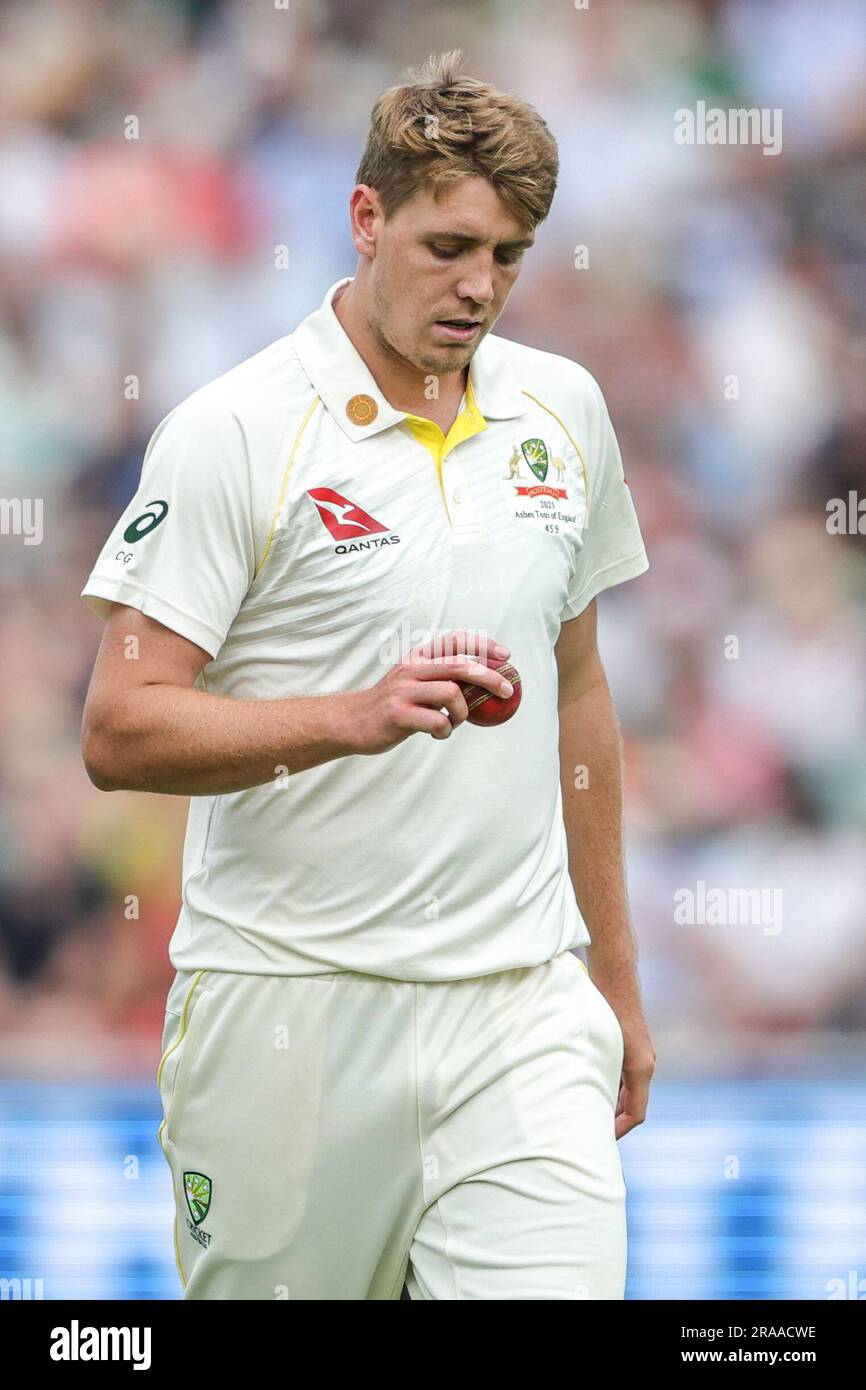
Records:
x=600, y=1024
x=185, y=1020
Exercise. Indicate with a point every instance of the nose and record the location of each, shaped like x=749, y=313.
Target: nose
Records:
x=476, y=282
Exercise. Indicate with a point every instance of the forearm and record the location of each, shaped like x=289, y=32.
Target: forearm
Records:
x=591, y=774
x=183, y=742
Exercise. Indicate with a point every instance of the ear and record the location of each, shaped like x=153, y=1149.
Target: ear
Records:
x=365, y=217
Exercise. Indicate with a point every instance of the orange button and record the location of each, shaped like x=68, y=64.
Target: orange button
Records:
x=362, y=410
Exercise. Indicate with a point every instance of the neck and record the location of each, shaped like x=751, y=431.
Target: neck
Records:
x=402, y=385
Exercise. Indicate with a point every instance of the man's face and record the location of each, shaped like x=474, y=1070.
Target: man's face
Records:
x=452, y=260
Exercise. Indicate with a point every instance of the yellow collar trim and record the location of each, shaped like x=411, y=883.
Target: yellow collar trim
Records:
x=470, y=421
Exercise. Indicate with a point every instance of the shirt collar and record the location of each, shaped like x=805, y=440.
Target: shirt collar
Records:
x=339, y=373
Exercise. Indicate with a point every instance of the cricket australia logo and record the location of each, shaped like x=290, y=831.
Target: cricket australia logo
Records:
x=197, y=1188
x=535, y=453
x=534, y=498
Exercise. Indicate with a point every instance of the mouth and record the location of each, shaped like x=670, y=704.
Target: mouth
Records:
x=459, y=330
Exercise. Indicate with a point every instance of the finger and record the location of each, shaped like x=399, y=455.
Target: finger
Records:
x=443, y=695
x=440, y=668
x=459, y=640
x=434, y=722
x=625, y=1124
x=460, y=668
x=494, y=681
x=633, y=1109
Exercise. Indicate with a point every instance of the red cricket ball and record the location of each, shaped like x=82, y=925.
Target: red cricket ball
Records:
x=487, y=709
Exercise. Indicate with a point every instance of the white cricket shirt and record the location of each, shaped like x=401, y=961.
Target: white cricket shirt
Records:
x=307, y=534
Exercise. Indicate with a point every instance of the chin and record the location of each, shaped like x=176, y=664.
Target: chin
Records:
x=454, y=355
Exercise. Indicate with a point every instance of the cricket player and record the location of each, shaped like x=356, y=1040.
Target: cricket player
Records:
x=382, y=1060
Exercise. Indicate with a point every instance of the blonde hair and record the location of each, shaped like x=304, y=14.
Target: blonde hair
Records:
x=440, y=127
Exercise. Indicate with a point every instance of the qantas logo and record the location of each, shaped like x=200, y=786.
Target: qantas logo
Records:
x=346, y=521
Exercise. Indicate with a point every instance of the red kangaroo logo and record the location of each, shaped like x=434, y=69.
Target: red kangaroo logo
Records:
x=344, y=519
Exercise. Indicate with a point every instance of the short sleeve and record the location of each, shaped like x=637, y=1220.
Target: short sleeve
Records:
x=183, y=552
x=612, y=548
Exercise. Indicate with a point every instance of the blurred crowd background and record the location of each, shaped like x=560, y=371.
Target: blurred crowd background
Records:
x=720, y=303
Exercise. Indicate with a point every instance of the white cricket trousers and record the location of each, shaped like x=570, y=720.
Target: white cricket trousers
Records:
x=332, y=1135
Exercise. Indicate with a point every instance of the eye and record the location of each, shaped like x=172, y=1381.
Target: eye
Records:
x=508, y=257
x=445, y=253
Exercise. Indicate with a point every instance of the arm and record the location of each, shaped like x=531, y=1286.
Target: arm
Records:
x=590, y=738
x=146, y=729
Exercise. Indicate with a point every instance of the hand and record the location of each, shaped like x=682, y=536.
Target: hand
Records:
x=412, y=696
x=638, y=1065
